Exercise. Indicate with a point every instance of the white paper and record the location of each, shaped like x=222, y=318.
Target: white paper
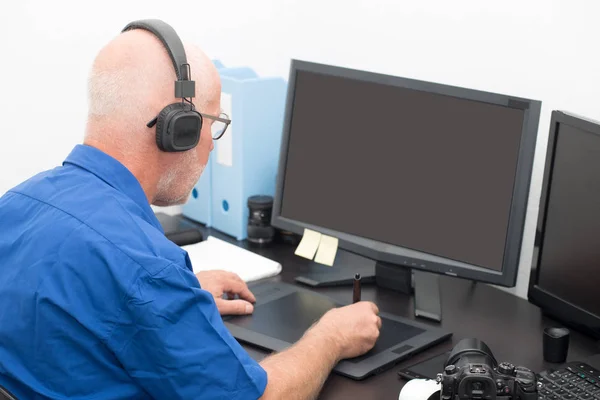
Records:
x=217, y=254
x=224, y=146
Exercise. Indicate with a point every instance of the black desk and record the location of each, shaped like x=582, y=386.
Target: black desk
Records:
x=511, y=326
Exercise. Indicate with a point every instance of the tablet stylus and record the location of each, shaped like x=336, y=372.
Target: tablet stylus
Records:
x=356, y=295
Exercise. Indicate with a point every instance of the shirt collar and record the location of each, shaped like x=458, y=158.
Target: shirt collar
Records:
x=111, y=171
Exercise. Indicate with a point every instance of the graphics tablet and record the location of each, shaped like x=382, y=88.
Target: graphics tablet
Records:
x=427, y=369
x=283, y=312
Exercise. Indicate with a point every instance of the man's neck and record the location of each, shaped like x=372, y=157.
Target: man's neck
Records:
x=145, y=172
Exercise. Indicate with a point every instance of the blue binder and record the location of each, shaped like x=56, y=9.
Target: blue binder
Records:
x=244, y=161
x=199, y=205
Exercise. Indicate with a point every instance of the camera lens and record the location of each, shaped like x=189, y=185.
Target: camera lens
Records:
x=471, y=351
x=259, y=219
x=260, y=209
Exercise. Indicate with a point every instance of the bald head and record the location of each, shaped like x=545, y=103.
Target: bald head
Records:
x=131, y=81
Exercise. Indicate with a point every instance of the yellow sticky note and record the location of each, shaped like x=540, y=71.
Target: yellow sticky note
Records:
x=327, y=250
x=309, y=244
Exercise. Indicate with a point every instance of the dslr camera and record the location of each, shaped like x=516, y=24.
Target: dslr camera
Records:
x=471, y=372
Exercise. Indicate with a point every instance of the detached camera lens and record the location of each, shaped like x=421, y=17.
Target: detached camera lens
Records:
x=259, y=219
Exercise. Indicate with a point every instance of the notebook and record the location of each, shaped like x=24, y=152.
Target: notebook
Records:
x=215, y=253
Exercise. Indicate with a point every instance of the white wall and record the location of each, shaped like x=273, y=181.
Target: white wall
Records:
x=540, y=49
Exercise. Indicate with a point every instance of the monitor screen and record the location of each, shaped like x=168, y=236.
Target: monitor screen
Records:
x=569, y=256
x=417, y=173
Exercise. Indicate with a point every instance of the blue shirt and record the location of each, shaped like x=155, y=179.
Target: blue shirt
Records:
x=95, y=302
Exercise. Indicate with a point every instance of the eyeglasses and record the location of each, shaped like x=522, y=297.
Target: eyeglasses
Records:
x=219, y=125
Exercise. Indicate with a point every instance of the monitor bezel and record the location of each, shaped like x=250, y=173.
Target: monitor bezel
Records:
x=408, y=257
x=551, y=304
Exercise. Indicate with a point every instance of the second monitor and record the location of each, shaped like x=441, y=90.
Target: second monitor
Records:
x=413, y=174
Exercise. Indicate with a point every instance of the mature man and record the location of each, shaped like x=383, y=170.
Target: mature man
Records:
x=96, y=303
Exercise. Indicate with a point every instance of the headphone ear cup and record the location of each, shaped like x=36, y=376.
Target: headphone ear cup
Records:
x=162, y=125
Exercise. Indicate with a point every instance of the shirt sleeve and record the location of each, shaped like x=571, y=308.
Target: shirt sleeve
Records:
x=172, y=341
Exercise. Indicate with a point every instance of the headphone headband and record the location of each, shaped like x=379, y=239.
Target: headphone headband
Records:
x=178, y=125
x=169, y=39
x=184, y=87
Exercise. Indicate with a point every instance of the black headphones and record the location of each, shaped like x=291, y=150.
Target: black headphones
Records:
x=178, y=125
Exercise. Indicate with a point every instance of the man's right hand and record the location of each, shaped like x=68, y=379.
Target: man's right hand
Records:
x=341, y=333
x=354, y=329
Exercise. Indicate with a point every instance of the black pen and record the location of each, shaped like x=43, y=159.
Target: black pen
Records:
x=356, y=297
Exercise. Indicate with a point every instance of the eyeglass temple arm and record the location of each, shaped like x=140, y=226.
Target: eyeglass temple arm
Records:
x=152, y=122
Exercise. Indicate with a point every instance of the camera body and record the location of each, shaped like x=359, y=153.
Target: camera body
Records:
x=472, y=372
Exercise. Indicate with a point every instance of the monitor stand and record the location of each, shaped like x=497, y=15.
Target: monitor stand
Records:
x=424, y=285
x=346, y=265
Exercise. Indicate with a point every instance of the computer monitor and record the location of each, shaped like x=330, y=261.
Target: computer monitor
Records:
x=563, y=281
x=417, y=174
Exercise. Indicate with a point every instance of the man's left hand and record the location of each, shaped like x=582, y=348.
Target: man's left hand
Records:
x=219, y=283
